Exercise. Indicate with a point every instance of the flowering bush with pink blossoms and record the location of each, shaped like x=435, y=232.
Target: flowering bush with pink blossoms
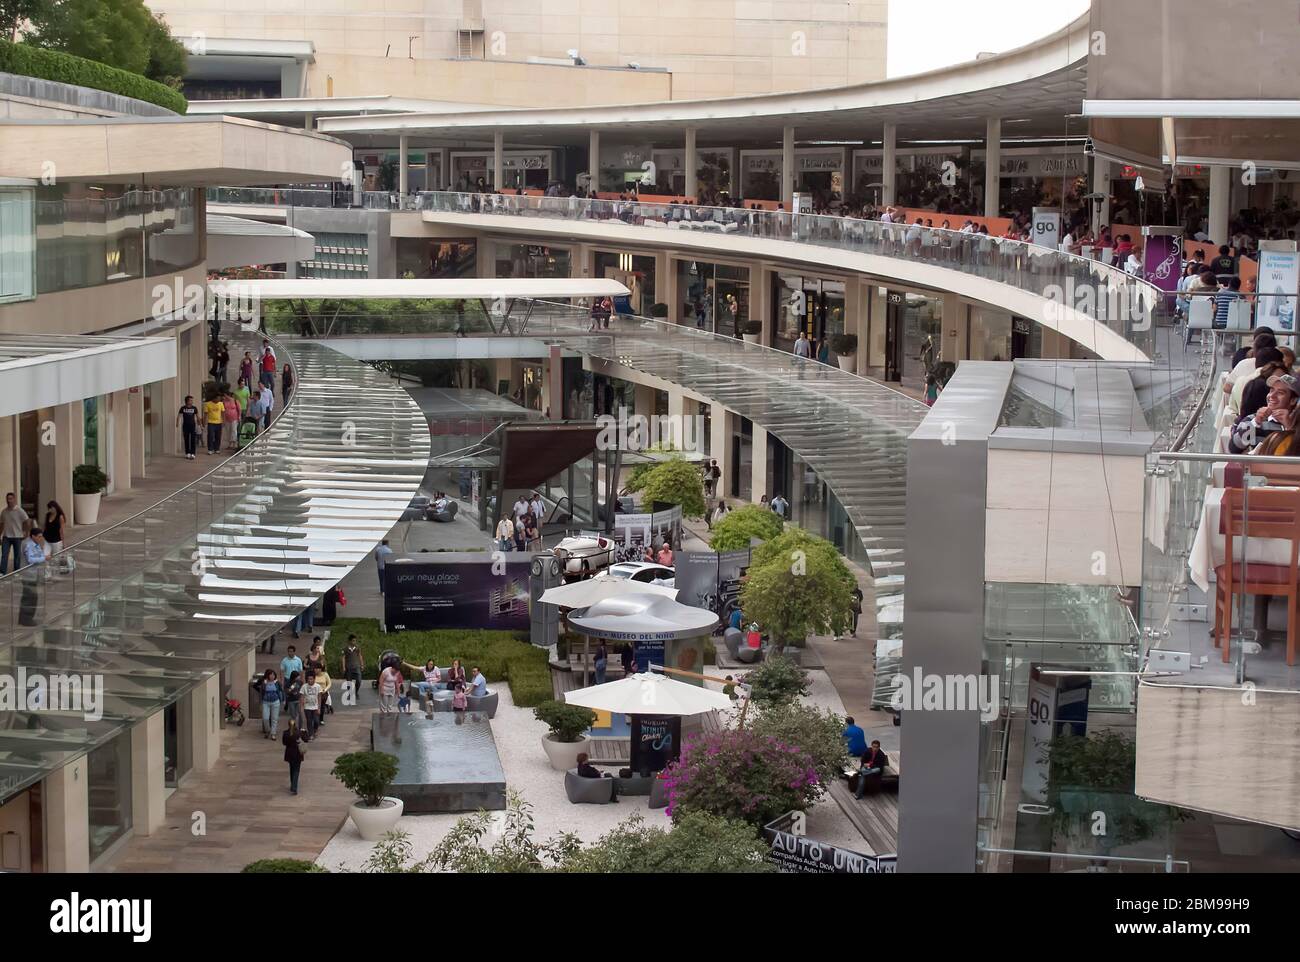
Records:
x=741, y=775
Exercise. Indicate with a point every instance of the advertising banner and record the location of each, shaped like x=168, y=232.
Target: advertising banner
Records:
x=1279, y=272
x=635, y=532
x=656, y=741
x=1047, y=227
x=457, y=590
x=709, y=580
x=795, y=853
x=1162, y=261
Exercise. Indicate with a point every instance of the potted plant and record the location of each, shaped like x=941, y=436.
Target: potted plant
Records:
x=659, y=311
x=567, y=735
x=845, y=346
x=751, y=331
x=88, y=484
x=368, y=775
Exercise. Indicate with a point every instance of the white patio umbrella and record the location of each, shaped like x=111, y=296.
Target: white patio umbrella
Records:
x=648, y=694
x=584, y=594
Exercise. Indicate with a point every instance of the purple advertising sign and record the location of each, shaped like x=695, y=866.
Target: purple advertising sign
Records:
x=1162, y=261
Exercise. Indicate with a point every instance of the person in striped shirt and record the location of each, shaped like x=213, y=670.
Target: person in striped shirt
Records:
x=1229, y=291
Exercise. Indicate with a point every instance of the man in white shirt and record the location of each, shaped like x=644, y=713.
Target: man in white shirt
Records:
x=382, y=554
x=521, y=506
x=310, y=696
x=538, y=508
x=802, y=346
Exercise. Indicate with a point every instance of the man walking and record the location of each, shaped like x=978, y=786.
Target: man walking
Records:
x=802, y=346
x=187, y=419
x=354, y=663
x=13, y=522
x=32, y=571
x=382, y=554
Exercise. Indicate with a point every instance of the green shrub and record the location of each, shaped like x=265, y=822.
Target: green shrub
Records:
x=798, y=585
x=844, y=344
x=751, y=327
x=88, y=479
x=281, y=866
x=366, y=774
x=777, y=680
x=566, y=722
x=675, y=481
x=736, y=528
x=817, y=732
x=698, y=842
x=501, y=655
x=26, y=60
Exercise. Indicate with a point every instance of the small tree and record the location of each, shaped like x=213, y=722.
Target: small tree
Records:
x=699, y=842
x=675, y=481
x=819, y=733
x=798, y=585
x=737, y=528
x=777, y=681
x=514, y=851
x=636, y=480
x=366, y=774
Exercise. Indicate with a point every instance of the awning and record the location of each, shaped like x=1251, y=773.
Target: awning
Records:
x=449, y=288
x=648, y=694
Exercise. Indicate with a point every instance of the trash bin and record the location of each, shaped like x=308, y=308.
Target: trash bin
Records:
x=254, y=703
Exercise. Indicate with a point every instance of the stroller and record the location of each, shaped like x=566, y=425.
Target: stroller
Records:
x=247, y=431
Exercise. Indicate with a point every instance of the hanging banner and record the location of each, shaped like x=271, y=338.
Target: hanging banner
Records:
x=1162, y=259
x=1279, y=274
x=656, y=742
x=709, y=580
x=1047, y=227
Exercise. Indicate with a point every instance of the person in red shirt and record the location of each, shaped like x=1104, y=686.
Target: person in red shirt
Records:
x=268, y=365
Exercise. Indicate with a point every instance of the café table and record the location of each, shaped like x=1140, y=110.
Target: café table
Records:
x=1209, y=548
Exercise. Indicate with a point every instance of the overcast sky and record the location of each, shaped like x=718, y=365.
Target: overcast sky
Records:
x=928, y=34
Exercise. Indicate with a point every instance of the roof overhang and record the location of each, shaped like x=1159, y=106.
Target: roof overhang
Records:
x=241, y=242
x=451, y=288
x=45, y=370
x=171, y=151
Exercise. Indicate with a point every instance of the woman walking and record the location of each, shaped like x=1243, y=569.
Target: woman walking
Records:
x=294, y=753
x=286, y=384
x=55, y=521
x=602, y=660
x=293, y=698
x=272, y=696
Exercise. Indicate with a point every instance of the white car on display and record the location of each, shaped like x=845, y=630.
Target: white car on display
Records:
x=585, y=554
x=645, y=571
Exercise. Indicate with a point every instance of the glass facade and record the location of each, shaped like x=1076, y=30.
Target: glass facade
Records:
x=419, y=257
x=338, y=255
x=813, y=305
x=715, y=297
x=636, y=272
x=532, y=261
x=87, y=235
x=17, y=244
x=109, y=791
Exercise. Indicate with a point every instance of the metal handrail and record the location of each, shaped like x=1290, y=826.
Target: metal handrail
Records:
x=1168, y=861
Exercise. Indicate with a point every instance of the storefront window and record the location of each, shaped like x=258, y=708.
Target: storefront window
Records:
x=636, y=273
x=419, y=257
x=533, y=261
x=813, y=305
x=922, y=336
x=715, y=297
x=108, y=790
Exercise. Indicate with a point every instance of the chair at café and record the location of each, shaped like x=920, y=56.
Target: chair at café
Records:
x=1250, y=514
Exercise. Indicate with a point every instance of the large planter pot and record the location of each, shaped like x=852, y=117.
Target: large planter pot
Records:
x=85, y=508
x=375, y=823
x=750, y=338
x=564, y=755
x=847, y=362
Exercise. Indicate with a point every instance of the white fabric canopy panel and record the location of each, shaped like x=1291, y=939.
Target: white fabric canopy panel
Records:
x=584, y=594
x=642, y=617
x=648, y=694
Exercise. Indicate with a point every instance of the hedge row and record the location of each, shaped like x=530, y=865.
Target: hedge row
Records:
x=27, y=61
x=502, y=655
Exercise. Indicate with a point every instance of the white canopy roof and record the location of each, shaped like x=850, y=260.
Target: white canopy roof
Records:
x=452, y=288
x=583, y=594
x=648, y=694
x=642, y=617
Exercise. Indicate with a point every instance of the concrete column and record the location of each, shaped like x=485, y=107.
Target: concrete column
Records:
x=692, y=164
x=485, y=255
x=952, y=333
x=168, y=404
x=855, y=321
x=593, y=160
x=66, y=800
x=148, y=788
x=10, y=455
x=889, y=165
x=1101, y=170
x=205, y=728
x=720, y=423
x=309, y=121
x=666, y=283
x=760, y=302
x=135, y=408
x=1220, y=188
x=498, y=160
x=787, y=168
x=403, y=164
x=67, y=450
x=992, y=165
x=676, y=418
x=119, y=403
x=645, y=400
x=555, y=383
x=758, y=465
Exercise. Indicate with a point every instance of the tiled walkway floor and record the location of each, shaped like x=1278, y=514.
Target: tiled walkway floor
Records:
x=245, y=798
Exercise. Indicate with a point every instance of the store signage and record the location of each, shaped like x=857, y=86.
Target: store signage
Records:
x=1047, y=227
x=1041, y=709
x=1043, y=165
x=794, y=852
x=1278, y=274
x=526, y=162
x=763, y=163
x=459, y=590
x=820, y=162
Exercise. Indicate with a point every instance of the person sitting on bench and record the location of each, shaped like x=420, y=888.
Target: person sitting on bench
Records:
x=874, y=762
x=588, y=770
